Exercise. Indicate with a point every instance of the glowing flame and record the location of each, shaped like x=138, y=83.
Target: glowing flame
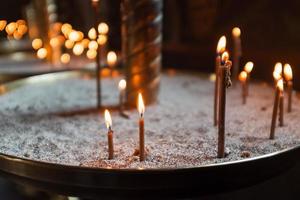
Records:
x=141, y=106
x=108, y=120
x=102, y=39
x=69, y=44
x=221, y=45
x=93, y=45
x=11, y=28
x=65, y=58
x=103, y=28
x=248, y=67
x=280, y=84
x=42, y=53
x=91, y=54
x=111, y=58
x=78, y=49
x=277, y=71
x=243, y=76
x=288, y=73
x=74, y=36
x=66, y=29
x=236, y=32
x=85, y=42
x=92, y=34
x=2, y=24
x=122, y=85
x=54, y=42
x=225, y=56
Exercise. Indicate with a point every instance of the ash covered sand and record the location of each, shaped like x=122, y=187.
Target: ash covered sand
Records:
x=37, y=122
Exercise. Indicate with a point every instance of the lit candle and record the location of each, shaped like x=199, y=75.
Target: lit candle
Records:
x=225, y=82
x=278, y=93
x=248, y=68
x=141, y=109
x=111, y=60
x=220, y=49
x=277, y=74
x=237, y=51
x=288, y=75
x=110, y=132
x=243, y=79
x=122, y=87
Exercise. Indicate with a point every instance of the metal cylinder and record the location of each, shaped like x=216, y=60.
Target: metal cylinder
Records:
x=141, y=47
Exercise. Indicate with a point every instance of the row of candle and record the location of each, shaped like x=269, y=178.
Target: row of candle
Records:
x=281, y=76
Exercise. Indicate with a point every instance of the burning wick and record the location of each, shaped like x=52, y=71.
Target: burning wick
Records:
x=288, y=75
x=141, y=109
x=278, y=94
x=225, y=82
x=220, y=49
x=237, y=51
x=110, y=132
x=111, y=60
x=248, y=68
x=243, y=79
x=122, y=87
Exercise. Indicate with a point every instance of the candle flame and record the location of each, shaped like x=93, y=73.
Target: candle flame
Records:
x=65, y=58
x=78, y=49
x=92, y=34
x=93, y=45
x=69, y=44
x=103, y=28
x=248, y=67
x=37, y=43
x=243, y=76
x=108, y=120
x=225, y=56
x=141, y=106
x=2, y=24
x=111, y=58
x=102, y=39
x=236, y=32
x=42, y=53
x=288, y=73
x=122, y=84
x=91, y=54
x=277, y=71
x=280, y=84
x=221, y=45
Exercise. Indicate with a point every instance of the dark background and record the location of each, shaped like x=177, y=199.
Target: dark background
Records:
x=270, y=33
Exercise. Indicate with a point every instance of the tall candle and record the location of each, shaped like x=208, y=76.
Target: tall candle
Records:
x=237, y=51
x=243, y=79
x=288, y=75
x=108, y=123
x=278, y=91
x=220, y=49
x=225, y=82
x=248, y=69
x=141, y=109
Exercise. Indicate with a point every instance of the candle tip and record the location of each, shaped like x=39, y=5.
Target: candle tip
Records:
x=280, y=84
x=221, y=45
x=243, y=76
x=122, y=84
x=288, y=73
x=236, y=32
x=141, y=106
x=248, y=67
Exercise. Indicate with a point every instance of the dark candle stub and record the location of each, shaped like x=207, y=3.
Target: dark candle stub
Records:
x=110, y=144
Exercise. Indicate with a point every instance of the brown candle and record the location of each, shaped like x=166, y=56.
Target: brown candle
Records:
x=237, y=51
x=220, y=49
x=225, y=82
x=97, y=59
x=279, y=89
x=288, y=75
x=243, y=79
x=141, y=109
x=281, y=109
x=108, y=123
x=248, y=68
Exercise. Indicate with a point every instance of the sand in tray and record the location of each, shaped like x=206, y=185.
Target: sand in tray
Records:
x=42, y=122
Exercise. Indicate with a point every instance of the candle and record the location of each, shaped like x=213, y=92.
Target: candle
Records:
x=248, y=68
x=277, y=74
x=278, y=91
x=111, y=60
x=122, y=87
x=243, y=79
x=110, y=132
x=141, y=109
x=220, y=49
x=288, y=75
x=237, y=51
x=225, y=82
